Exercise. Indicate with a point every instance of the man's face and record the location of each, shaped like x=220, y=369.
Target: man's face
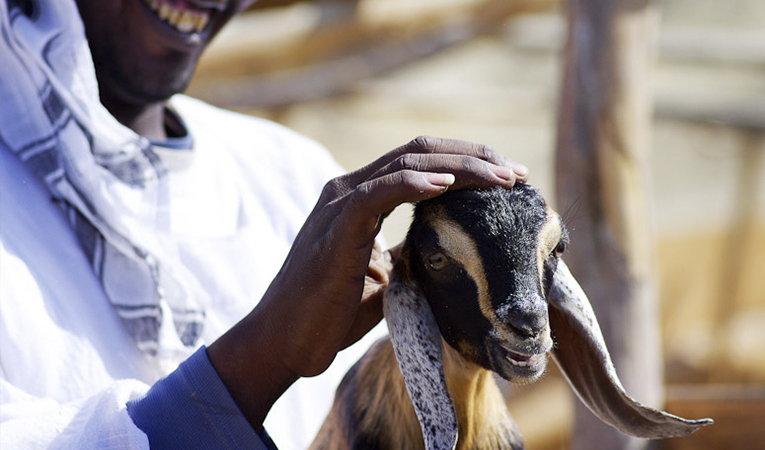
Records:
x=146, y=50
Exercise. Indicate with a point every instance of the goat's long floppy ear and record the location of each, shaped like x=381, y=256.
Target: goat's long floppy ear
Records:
x=417, y=343
x=581, y=353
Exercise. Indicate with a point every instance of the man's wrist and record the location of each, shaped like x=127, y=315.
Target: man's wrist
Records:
x=247, y=360
x=191, y=408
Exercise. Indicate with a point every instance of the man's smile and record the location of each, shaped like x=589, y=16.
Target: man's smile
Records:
x=182, y=16
x=189, y=20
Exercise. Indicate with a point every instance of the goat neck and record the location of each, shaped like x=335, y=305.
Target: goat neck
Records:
x=483, y=420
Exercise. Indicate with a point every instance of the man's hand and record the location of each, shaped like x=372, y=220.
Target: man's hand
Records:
x=329, y=291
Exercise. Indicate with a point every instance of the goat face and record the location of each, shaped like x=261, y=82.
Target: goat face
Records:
x=482, y=271
x=485, y=260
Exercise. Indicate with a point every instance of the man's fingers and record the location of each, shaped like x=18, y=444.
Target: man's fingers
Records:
x=355, y=204
x=413, y=178
x=520, y=171
x=365, y=206
x=369, y=314
x=468, y=170
x=433, y=145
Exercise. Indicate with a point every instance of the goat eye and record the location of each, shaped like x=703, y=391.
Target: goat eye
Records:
x=559, y=249
x=438, y=261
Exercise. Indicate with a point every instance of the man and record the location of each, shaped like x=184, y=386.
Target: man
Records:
x=178, y=233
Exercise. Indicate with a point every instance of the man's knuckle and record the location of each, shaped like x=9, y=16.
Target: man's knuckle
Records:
x=473, y=165
x=408, y=161
x=333, y=189
x=486, y=152
x=360, y=195
x=426, y=143
x=332, y=185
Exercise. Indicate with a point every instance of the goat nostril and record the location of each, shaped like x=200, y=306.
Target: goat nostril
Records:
x=528, y=325
x=525, y=314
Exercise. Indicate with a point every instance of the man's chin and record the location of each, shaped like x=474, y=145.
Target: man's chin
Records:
x=121, y=90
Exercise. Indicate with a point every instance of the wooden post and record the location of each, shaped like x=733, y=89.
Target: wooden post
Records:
x=603, y=182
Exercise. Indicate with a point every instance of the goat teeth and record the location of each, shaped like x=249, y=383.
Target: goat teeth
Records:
x=518, y=363
x=533, y=360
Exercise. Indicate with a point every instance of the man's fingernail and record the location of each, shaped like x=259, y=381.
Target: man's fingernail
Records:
x=504, y=173
x=441, y=179
x=520, y=170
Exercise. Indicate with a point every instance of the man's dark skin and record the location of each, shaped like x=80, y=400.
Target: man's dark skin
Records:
x=328, y=293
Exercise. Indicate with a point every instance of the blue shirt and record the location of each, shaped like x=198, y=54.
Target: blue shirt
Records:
x=191, y=408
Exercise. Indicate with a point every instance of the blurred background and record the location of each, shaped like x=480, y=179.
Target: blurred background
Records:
x=363, y=77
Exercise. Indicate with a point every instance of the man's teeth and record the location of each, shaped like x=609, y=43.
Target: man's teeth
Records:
x=183, y=20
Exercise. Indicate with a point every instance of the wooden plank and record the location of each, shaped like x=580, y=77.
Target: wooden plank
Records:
x=710, y=44
x=602, y=149
x=747, y=114
x=716, y=45
x=738, y=412
x=331, y=59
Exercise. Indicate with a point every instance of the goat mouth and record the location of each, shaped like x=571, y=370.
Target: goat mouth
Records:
x=519, y=365
x=521, y=360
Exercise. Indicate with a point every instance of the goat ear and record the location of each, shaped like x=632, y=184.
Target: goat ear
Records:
x=417, y=344
x=581, y=353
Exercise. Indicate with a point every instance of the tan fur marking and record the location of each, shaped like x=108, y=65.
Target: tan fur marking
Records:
x=549, y=236
x=459, y=246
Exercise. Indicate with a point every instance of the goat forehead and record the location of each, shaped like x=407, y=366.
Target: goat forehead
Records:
x=498, y=263
x=499, y=215
x=504, y=225
x=502, y=238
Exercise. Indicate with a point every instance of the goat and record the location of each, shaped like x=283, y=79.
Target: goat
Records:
x=479, y=288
